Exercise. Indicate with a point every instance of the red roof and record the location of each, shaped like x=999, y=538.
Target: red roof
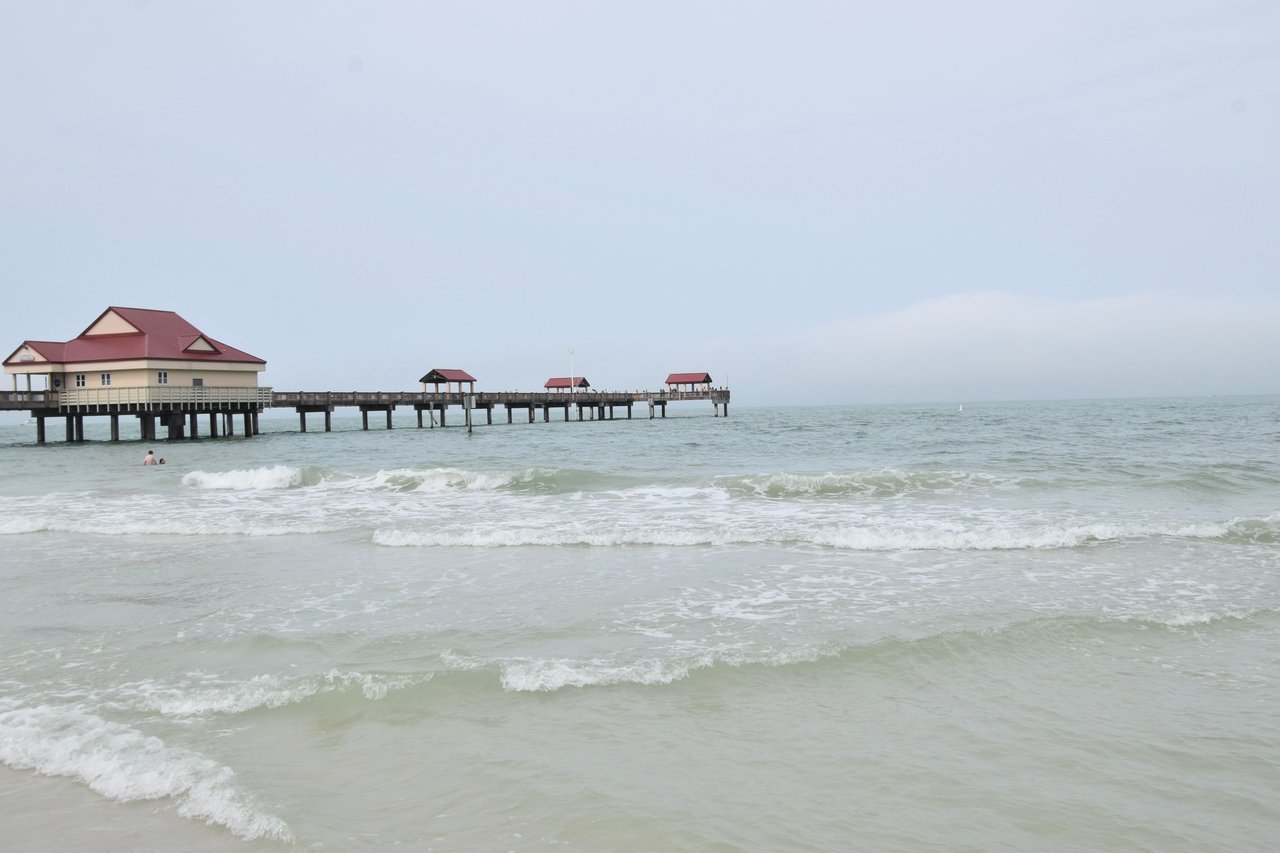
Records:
x=437, y=375
x=567, y=382
x=689, y=379
x=155, y=335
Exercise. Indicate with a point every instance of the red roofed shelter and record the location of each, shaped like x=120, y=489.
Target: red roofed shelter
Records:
x=562, y=383
x=134, y=348
x=437, y=376
x=676, y=380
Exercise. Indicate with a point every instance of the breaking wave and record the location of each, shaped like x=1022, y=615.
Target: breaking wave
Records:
x=862, y=537
x=1048, y=635
x=253, y=479
x=878, y=483
x=123, y=764
x=215, y=696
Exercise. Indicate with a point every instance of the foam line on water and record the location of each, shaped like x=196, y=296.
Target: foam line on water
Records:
x=123, y=764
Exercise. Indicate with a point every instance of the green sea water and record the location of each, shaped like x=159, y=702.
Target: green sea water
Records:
x=1007, y=626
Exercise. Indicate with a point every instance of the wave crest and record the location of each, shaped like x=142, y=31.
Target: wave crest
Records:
x=262, y=691
x=879, y=483
x=252, y=479
x=123, y=764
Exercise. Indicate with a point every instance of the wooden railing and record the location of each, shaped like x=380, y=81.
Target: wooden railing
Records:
x=27, y=399
x=164, y=396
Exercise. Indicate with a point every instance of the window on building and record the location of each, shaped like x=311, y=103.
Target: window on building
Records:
x=162, y=377
x=106, y=379
x=79, y=380
x=199, y=383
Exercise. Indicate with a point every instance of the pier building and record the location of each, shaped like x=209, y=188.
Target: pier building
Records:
x=139, y=362
x=159, y=368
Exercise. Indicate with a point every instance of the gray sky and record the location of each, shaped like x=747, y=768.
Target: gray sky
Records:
x=816, y=202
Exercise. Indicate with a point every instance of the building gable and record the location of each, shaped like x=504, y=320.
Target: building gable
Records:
x=110, y=323
x=200, y=344
x=29, y=353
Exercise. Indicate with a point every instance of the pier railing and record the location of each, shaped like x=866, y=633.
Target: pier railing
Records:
x=163, y=397
x=17, y=400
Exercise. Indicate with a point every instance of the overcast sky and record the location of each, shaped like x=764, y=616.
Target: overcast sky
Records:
x=816, y=202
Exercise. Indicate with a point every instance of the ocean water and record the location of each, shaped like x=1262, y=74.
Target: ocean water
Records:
x=1012, y=626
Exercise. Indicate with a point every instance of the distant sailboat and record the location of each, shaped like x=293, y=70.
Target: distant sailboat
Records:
x=962, y=407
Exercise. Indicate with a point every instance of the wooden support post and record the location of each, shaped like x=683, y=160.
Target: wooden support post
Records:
x=256, y=431
x=650, y=410
x=566, y=412
x=488, y=416
x=579, y=411
x=443, y=407
x=213, y=424
x=530, y=414
x=508, y=408
x=40, y=437
x=71, y=429
x=195, y=425
x=364, y=419
x=79, y=427
x=248, y=425
x=546, y=414
x=419, y=418
x=466, y=410
x=302, y=421
x=328, y=420
x=115, y=427
x=389, y=410
x=629, y=409
x=229, y=424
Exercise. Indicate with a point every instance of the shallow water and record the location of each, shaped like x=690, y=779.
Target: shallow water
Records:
x=1016, y=626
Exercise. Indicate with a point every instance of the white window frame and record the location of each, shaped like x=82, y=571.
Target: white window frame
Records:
x=162, y=377
x=105, y=380
x=80, y=380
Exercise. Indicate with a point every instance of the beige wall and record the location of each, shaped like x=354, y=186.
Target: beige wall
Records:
x=110, y=324
x=136, y=375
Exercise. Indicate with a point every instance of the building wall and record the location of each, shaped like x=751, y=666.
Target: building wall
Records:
x=143, y=374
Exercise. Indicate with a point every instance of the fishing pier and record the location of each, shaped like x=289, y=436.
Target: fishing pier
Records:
x=158, y=368
x=182, y=412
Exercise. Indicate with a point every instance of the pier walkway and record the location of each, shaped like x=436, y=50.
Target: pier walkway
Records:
x=180, y=410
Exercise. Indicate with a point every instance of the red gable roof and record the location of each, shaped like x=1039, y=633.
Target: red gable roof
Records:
x=161, y=335
x=567, y=382
x=688, y=378
x=441, y=375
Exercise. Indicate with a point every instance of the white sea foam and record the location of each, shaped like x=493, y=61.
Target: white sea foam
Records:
x=868, y=536
x=16, y=526
x=121, y=763
x=503, y=537
x=1001, y=539
x=253, y=479
x=212, y=696
x=872, y=483
x=550, y=675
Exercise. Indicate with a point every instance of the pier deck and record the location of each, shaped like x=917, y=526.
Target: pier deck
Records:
x=180, y=409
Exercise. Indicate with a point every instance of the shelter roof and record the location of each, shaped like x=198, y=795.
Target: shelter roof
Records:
x=445, y=375
x=140, y=333
x=567, y=382
x=688, y=378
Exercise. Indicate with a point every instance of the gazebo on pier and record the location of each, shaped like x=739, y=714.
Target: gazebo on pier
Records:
x=562, y=383
x=697, y=383
x=439, y=376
